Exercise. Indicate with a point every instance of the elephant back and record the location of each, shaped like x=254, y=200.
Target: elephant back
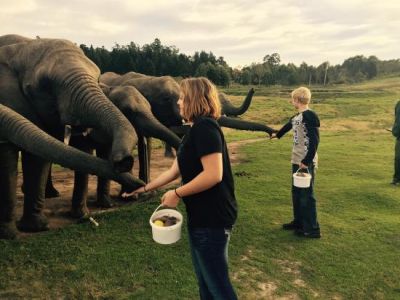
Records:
x=10, y=39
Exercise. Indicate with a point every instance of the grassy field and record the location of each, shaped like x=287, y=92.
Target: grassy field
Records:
x=358, y=256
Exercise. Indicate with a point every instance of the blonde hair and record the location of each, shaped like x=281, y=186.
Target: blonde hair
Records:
x=200, y=98
x=302, y=95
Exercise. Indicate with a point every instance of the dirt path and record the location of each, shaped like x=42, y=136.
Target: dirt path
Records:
x=56, y=209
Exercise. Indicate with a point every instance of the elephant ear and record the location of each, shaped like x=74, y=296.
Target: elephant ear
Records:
x=38, y=82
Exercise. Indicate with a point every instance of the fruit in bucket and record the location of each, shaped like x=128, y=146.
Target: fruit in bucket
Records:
x=165, y=221
x=158, y=222
x=302, y=174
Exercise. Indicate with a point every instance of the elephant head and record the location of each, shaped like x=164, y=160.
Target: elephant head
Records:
x=138, y=111
x=161, y=92
x=61, y=86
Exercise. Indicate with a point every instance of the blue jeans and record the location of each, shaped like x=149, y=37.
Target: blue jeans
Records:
x=209, y=247
x=396, y=175
x=304, y=204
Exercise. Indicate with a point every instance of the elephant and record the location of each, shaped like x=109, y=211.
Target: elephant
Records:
x=51, y=83
x=138, y=111
x=163, y=93
x=36, y=150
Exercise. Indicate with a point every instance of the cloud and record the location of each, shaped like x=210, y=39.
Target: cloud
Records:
x=241, y=31
x=17, y=7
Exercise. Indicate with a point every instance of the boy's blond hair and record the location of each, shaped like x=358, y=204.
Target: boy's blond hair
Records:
x=200, y=99
x=302, y=95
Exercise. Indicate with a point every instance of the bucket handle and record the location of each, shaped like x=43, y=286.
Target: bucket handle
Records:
x=158, y=207
x=308, y=171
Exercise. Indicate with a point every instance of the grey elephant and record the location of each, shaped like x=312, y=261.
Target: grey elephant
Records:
x=163, y=93
x=50, y=83
x=138, y=111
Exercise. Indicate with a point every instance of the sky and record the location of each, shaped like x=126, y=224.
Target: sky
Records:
x=241, y=31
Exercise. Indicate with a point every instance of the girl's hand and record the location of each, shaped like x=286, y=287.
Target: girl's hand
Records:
x=135, y=193
x=170, y=199
x=273, y=136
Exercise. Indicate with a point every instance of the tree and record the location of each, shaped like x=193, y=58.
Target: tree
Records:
x=258, y=71
x=273, y=60
x=245, y=77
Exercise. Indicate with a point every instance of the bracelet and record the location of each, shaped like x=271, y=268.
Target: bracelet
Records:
x=176, y=193
x=144, y=189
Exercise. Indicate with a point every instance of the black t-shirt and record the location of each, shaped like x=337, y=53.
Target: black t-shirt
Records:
x=215, y=207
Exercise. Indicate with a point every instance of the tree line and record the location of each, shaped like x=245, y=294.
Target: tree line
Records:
x=156, y=59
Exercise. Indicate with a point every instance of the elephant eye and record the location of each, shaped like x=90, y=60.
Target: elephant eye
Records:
x=44, y=83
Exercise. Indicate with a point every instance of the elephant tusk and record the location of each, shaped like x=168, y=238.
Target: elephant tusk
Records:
x=67, y=134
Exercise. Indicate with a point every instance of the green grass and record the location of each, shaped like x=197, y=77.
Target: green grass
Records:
x=359, y=213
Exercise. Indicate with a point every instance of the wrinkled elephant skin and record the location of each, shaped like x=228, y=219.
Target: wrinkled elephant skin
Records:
x=49, y=83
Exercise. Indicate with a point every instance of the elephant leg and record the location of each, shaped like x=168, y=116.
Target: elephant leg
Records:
x=149, y=149
x=103, y=184
x=168, y=151
x=8, y=186
x=144, y=151
x=79, y=195
x=81, y=181
x=51, y=191
x=35, y=174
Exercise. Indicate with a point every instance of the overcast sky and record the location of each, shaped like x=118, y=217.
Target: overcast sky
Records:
x=242, y=31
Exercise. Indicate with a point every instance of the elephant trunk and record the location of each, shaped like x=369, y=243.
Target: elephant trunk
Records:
x=21, y=132
x=149, y=126
x=230, y=110
x=91, y=108
x=243, y=125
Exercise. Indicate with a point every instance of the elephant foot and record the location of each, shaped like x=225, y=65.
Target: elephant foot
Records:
x=104, y=202
x=8, y=231
x=35, y=223
x=51, y=192
x=79, y=212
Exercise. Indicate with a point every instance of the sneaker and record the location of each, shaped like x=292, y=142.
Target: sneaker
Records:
x=311, y=235
x=291, y=226
x=395, y=182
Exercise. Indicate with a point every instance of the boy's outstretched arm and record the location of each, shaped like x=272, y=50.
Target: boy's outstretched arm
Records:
x=284, y=129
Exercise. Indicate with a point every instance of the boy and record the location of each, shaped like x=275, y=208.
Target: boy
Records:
x=305, y=125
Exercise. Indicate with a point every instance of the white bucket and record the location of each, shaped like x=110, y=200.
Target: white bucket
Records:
x=167, y=234
x=302, y=180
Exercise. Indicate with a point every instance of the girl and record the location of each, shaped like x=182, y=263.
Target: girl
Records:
x=207, y=187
